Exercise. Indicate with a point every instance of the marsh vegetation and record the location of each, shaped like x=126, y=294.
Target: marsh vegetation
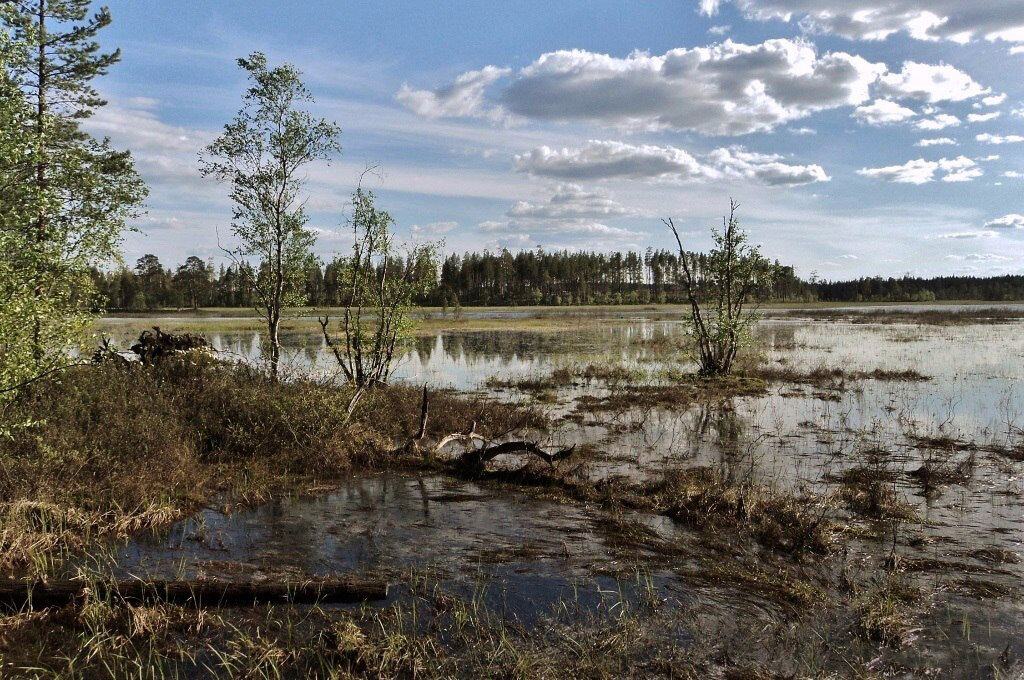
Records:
x=850, y=495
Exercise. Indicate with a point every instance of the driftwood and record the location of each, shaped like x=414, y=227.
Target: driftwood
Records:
x=475, y=456
x=152, y=347
x=15, y=595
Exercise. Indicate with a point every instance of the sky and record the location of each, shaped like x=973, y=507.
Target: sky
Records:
x=861, y=137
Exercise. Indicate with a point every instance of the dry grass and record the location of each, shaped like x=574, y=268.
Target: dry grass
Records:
x=117, y=449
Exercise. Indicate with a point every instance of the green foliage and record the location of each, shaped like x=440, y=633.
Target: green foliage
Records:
x=67, y=195
x=723, y=290
x=263, y=153
x=377, y=276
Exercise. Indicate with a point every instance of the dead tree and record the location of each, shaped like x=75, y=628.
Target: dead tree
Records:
x=478, y=450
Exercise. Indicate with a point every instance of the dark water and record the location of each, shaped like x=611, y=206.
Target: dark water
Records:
x=524, y=555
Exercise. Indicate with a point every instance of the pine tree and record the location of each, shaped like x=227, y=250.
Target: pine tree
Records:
x=82, y=190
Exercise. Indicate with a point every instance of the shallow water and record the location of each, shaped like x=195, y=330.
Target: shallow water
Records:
x=968, y=549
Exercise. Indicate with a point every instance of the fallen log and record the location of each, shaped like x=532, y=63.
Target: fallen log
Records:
x=477, y=457
x=474, y=456
x=15, y=595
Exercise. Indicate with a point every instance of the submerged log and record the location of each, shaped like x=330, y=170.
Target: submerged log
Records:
x=19, y=594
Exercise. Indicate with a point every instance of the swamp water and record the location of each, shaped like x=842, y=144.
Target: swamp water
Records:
x=522, y=554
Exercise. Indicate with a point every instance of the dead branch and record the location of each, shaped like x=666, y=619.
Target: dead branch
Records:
x=477, y=457
x=474, y=456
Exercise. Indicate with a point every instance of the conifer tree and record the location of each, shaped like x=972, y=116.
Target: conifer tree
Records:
x=81, y=190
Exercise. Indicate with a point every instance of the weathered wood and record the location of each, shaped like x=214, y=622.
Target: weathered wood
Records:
x=476, y=457
x=19, y=594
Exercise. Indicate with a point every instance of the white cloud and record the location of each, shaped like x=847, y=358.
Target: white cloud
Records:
x=464, y=97
x=598, y=159
x=983, y=117
x=1017, y=49
x=931, y=83
x=569, y=214
x=135, y=124
x=882, y=112
x=987, y=138
x=1013, y=174
x=432, y=229
x=602, y=159
x=766, y=169
x=803, y=131
x=726, y=88
x=921, y=171
x=719, y=30
x=979, y=257
x=936, y=141
x=1011, y=221
x=570, y=201
x=968, y=235
x=939, y=122
x=875, y=20
x=994, y=100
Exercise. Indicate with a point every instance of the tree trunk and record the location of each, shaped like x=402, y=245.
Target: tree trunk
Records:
x=273, y=327
x=41, y=179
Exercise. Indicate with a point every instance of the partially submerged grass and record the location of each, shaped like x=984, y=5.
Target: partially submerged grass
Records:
x=823, y=376
x=885, y=610
x=116, y=449
x=931, y=317
x=869, y=491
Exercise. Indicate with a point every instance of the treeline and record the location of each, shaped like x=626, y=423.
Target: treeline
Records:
x=529, y=277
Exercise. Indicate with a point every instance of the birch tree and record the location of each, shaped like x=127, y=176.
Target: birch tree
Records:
x=263, y=154
x=724, y=289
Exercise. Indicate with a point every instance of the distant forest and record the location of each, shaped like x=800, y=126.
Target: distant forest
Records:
x=526, y=278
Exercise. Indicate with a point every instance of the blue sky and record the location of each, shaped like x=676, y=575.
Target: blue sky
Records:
x=861, y=137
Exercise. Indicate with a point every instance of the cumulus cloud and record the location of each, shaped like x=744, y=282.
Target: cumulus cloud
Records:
x=603, y=159
x=983, y=117
x=598, y=159
x=939, y=122
x=729, y=88
x=463, y=97
x=875, y=20
x=1011, y=221
x=726, y=88
x=1013, y=174
x=987, y=138
x=936, y=141
x=931, y=83
x=993, y=100
x=767, y=169
x=882, y=112
x=921, y=171
x=719, y=30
